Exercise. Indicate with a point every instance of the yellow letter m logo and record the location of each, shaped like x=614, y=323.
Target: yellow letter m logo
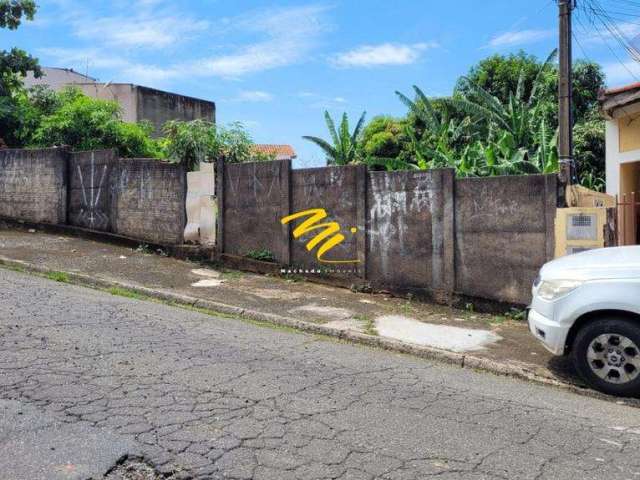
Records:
x=328, y=235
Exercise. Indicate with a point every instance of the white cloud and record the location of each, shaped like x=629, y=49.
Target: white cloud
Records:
x=140, y=32
x=382, y=55
x=278, y=37
x=600, y=36
x=289, y=36
x=254, y=96
x=83, y=58
x=148, y=24
x=89, y=59
x=621, y=73
x=521, y=37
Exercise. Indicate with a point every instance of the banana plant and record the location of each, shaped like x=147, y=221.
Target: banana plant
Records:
x=345, y=143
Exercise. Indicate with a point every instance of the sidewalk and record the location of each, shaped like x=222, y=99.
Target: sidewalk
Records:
x=473, y=340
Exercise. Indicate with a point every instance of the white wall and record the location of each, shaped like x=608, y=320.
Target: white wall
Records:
x=615, y=158
x=56, y=78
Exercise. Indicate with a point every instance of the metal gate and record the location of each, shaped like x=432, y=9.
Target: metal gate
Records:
x=628, y=207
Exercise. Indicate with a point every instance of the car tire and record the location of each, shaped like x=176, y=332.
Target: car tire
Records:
x=606, y=354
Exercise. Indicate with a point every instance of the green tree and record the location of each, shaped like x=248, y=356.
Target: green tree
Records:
x=384, y=137
x=12, y=11
x=85, y=123
x=499, y=75
x=590, y=151
x=201, y=141
x=346, y=144
x=14, y=64
x=520, y=115
x=433, y=133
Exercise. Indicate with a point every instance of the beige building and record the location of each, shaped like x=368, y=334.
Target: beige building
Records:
x=621, y=107
x=138, y=103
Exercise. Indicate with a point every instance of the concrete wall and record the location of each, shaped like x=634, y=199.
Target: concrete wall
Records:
x=123, y=93
x=414, y=231
x=410, y=234
x=149, y=200
x=33, y=185
x=138, y=198
x=334, y=189
x=56, y=78
x=254, y=202
x=504, y=233
x=90, y=192
x=158, y=107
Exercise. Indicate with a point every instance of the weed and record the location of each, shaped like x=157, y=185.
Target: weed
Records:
x=516, y=314
x=293, y=278
x=232, y=275
x=58, y=277
x=123, y=292
x=369, y=326
x=263, y=255
x=144, y=248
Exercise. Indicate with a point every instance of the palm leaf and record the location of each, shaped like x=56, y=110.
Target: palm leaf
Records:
x=358, y=129
x=331, y=127
x=324, y=145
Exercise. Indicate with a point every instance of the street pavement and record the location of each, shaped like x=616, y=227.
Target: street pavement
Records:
x=196, y=396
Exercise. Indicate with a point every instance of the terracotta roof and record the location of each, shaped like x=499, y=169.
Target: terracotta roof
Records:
x=626, y=88
x=277, y=150
x=616, y=99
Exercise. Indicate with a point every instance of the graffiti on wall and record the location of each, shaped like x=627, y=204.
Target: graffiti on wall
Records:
x=328, y=237
x=92, y=214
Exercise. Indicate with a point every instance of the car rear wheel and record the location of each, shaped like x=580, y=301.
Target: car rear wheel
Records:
x=606, y=353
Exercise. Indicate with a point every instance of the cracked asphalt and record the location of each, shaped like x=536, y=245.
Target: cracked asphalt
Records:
x=205, y=397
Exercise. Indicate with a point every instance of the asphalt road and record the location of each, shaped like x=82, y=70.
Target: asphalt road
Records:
x=212, y=397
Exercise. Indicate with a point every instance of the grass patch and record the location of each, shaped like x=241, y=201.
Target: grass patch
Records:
x=60, y=277
x=123, y=292
x=15, y=268
x=262, y=255
x=369, y=326
x=232, y=275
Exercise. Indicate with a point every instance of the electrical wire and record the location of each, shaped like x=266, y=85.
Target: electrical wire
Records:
x=602, y=22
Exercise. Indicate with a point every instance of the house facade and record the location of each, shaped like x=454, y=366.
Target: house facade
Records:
x=138, y=103
x=621, y=107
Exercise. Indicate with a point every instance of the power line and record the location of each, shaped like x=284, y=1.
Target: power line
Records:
x=595, y=14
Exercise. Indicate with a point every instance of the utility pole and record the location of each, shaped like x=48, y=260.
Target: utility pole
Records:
x=565, y=94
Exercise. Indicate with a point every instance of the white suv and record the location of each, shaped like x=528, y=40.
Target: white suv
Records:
x=588, y=305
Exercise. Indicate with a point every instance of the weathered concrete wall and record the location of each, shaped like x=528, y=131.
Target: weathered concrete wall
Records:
x=415, y=231
x=411, y=229
x=156, y=106
x=90, y=189
x=254, y=201
x=149, y=200
x=123, y=93
x=504, y=234
x=33, y=185
x=335, y=190
x=159, y=107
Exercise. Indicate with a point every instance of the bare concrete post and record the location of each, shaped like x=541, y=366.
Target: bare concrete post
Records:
x=285, y=209
x=449, y=241
x=550, y=206
x=361, y=219
x=220, y=198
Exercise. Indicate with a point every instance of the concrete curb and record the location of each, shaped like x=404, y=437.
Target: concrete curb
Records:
x=429, y=353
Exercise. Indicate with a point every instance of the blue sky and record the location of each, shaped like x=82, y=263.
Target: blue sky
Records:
x=277, y=65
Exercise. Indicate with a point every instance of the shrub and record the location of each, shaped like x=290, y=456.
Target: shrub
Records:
x=85, y=123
